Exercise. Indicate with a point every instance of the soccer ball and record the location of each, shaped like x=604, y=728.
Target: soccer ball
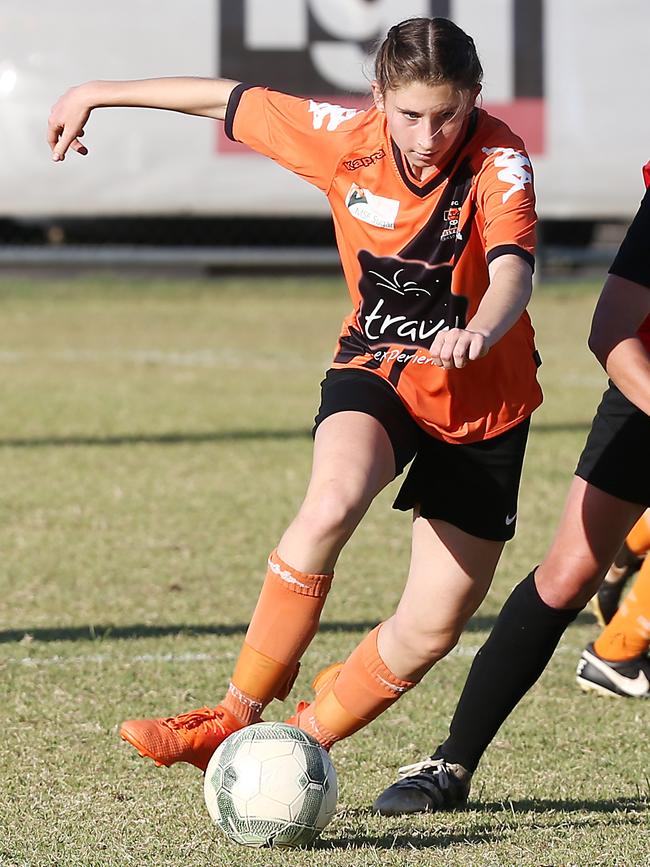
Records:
x=271, y=784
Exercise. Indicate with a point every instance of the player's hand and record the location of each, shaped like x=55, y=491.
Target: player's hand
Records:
x=66, y=124
x=456, y=347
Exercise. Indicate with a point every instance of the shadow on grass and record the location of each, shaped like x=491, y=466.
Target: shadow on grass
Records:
x=544, y=805
x=108, y=632
x=163, y=439
x=390, y=841
x=177, y=437
x=422, y=836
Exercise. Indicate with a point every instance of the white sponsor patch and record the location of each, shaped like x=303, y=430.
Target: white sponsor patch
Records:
x=335, y=114
x=514, y=169
x=369, y=208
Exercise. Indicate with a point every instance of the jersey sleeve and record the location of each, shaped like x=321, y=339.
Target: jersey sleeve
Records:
x=304, y=136
x=632, y=261
x=506, y=199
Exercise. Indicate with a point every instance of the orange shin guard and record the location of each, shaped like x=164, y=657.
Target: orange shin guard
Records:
x=627, y=635
x=284, y=622
x=364, y=688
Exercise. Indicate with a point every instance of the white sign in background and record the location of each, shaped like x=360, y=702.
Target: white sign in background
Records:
x=144, y=162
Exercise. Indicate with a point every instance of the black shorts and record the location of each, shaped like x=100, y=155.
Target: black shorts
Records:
x=616, y=456
x=474, y=486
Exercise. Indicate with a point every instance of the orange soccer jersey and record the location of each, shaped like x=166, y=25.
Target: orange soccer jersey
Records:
x=415, y=254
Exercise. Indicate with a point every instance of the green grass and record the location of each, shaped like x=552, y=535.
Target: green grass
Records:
x=154, y=443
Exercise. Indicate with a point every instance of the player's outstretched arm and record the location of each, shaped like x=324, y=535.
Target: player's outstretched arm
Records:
x=505, y=300
x=622, y=307
x=205, y=97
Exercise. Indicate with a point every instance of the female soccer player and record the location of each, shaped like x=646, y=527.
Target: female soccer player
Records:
x=433, y=205
x=609, y=492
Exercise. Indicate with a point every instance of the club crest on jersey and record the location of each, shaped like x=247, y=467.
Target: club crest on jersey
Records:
x=370, y=208
x=451, y=217
x=514, y=169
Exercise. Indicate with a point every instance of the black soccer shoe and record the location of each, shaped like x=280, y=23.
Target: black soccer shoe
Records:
x=630, y=678
x=425, y=787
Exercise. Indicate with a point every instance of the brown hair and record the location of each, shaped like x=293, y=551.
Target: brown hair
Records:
x=428, y=50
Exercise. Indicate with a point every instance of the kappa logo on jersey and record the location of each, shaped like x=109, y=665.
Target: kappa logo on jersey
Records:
x=364, y=162
x=403, y=302
x=335, y=114
x=370, y=208
x=515, y=169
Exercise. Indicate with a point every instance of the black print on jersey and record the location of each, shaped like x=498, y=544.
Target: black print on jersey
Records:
x=403, y=303
x=406, y=299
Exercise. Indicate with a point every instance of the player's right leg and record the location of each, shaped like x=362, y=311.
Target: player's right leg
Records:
x=354, y=458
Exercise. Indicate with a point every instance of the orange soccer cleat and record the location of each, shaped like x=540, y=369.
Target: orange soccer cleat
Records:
x=189, y=737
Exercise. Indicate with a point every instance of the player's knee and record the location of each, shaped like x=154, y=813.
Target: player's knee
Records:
x=421, y=644
x=330, y=514
x=568, y=583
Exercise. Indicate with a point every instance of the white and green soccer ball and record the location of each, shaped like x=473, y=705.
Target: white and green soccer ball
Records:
x=271, y=784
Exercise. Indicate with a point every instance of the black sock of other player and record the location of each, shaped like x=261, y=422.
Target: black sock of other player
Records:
x=522, y=641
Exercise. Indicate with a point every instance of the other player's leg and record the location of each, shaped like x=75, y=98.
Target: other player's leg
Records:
x=627, y=561
x=529, y=628
x=617, y=663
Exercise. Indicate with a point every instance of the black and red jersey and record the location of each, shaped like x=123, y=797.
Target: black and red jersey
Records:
x=415, y=254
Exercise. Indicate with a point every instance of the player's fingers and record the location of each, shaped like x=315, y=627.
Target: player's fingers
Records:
x=435, y=348
x=478, y=347
x=461, y=352
x=53, y=133
x=66, y=138
x=77, y=146
x=441, y=340
x=453, y=352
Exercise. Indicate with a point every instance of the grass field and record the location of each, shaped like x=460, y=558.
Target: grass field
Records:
x=154, y=443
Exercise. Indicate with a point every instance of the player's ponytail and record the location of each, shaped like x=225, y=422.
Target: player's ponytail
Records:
x=429, y=50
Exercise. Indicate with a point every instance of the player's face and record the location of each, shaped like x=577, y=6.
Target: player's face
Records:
x=425, y=120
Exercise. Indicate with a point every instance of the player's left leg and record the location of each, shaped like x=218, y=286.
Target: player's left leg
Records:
x=466, y=499
x=449, y=575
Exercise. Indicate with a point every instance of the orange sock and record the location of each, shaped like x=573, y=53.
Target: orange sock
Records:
x=627, y=635
x=284, y=622
x=364, y=688
x=638, y=540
